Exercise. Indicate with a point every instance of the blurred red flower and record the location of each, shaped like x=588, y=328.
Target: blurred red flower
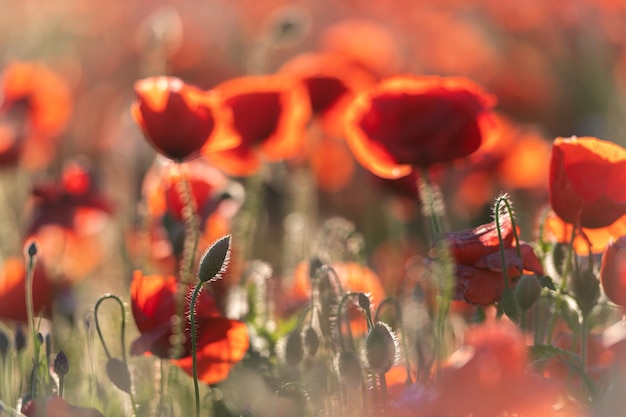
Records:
x=35, y=108
x=331, y=81
x=58, y=407
x=270, y=114
x=178, y=119
x=586, y=181
x=66, y=218
x=221, y=342
x=613, y=271
x=476, y=253
x=493, y=359
x=13, y=291
x=595, y=240
x=409, y=121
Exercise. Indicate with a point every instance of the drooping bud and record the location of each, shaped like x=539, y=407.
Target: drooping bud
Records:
x=349, y=368
x=118, y=374
x=380, y=348
x=294, y=348
x=215, y=260
x=61, y=364
x=527, y=291
x=311, y=341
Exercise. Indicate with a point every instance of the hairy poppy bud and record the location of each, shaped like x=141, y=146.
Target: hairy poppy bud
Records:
x=311, y=341
x=215, y=260
x=527, y=291
x=4, y=344
x=364, y=301
x=20, y=339
x=349, y=368
x=380, y=348
x=294, y=348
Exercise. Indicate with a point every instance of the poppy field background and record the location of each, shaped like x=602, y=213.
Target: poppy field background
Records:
x=275, y=208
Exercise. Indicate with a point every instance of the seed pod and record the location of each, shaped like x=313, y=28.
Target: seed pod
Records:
x=349, y=368
x=380, y=348
x=118, y=374
x=61, y=364
x=294, y=348
x=311, y=341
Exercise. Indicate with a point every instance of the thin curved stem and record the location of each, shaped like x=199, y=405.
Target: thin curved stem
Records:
x=122, y=327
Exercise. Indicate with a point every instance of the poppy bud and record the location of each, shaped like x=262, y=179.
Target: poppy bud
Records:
x=349, y=368
x=31, y=250
x=4, y=344
x=508, y=303
x=294, y=348
x=613, y=272
x=527, y=291
x=118, y=374
x=380, y=348
x=364, y=301
x=20, y=339
x=61, y=364
x=586, y=289
x=215, y=260
x=311, y=341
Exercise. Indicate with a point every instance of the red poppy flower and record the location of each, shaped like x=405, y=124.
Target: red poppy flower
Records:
x=178, y=119
x=35, y=107
x=332, y=81
x=595, y=240
x=613, y=271
x=586, y=181
x=478, y=270
x=409, y=121
x=13, y=291
x=270, y=114
x=66, y=219
x=221, y=342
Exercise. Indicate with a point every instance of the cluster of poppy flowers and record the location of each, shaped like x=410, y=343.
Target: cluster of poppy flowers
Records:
x=403, y=126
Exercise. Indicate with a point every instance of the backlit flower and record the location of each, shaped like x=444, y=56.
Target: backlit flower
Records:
x=409, y=121
x=479, y=270
x=178, y=119
x=613, y=271
x=35, y=108
x=221, y=342
x=270, y=114
x=586, y=181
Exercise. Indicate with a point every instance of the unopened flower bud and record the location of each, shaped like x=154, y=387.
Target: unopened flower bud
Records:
x=20, y=339
x=4, y=344
x=586, y=289
x=613, y=271
x=380, y=348
x=294, y=348
x=364, y=301
x=118, y=374
x=61, y=364
x=349, y=368
x=311, y=341
x=215, y=260
x=527, y=291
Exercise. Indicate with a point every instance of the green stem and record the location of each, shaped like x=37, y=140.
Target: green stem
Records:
x=584, y=330
x=559, y=298
x=61, y=383
x=383, y=393
x=30, y=312
x=340, y=321
x=194, y=359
